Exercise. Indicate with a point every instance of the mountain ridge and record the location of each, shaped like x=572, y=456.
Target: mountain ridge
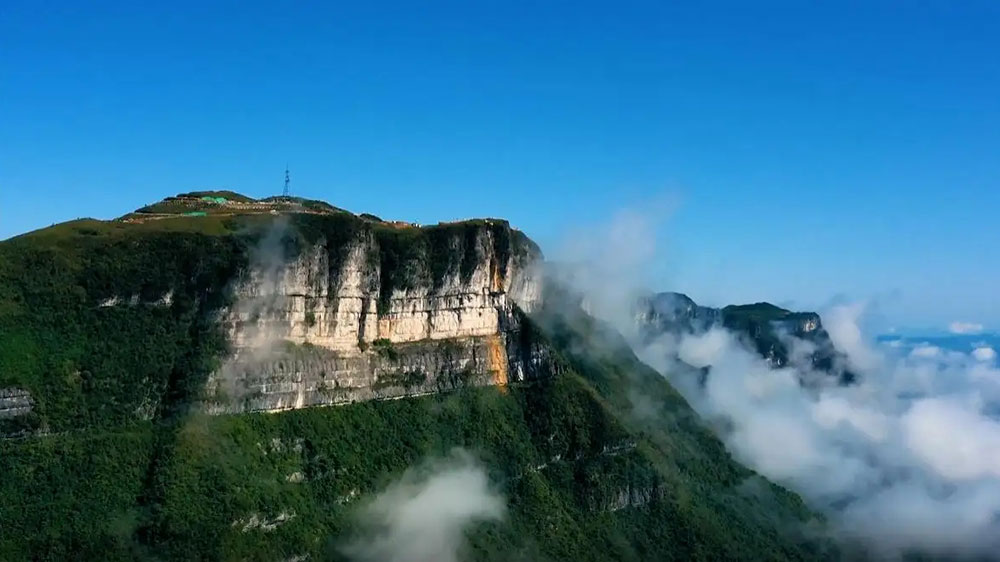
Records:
x=116, y=330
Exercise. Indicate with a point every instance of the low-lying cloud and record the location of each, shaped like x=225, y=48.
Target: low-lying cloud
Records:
x=984, y=353
x=906, y=460
x=259, y=300
x=424, y=515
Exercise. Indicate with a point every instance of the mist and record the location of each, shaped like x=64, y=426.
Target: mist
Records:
x=258, y=300
x=260, y=297
x=423, y=516
x=907, y=460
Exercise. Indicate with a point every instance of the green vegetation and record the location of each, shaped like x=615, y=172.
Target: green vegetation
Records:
x=579, y=484
x=306, y=204
x=176, y=206
x=223, y=193
x=758, y=316
x=405, y=380
x=85, y=329
x=766, y=327
x=386, y=349
x=216, y=202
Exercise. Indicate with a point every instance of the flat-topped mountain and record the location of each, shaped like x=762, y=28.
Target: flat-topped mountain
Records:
x=166, y=383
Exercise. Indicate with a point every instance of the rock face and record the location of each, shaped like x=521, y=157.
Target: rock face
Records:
x=348, y=321
x=15, y=402
x=339, y=306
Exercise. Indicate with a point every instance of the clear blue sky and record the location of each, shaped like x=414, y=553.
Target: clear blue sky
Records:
x=843, y=149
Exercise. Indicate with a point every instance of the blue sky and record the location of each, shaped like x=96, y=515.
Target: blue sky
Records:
x=814, y=151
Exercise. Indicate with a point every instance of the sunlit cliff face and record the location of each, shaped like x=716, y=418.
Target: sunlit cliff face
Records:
x=323, y=327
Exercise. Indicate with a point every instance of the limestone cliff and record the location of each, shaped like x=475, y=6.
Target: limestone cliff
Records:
x=387, y=311
x=339, y=304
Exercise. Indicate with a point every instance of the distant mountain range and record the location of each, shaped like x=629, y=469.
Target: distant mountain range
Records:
x=763, y=327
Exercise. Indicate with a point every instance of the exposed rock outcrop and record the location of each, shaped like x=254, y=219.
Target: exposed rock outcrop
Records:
x=314, y=299
x=15, y=402
x=347, y=322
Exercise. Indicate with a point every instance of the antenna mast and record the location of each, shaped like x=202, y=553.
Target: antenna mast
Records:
x=287, y=180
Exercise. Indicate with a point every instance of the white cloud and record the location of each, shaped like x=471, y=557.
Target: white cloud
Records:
x=965, y=328
x=423, y=516
x=984, y=353
x=703, y=350
x=609, y=261
x=831, y=411
x=954, y=439
x=926, y=350
x=842, y=323
x=905, y=459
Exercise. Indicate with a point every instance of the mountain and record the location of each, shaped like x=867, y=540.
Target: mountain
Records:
x=766, y=329
x=215, y=377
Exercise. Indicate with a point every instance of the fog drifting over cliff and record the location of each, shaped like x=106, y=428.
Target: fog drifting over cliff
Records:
x=907, y=459
x=422, y=517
